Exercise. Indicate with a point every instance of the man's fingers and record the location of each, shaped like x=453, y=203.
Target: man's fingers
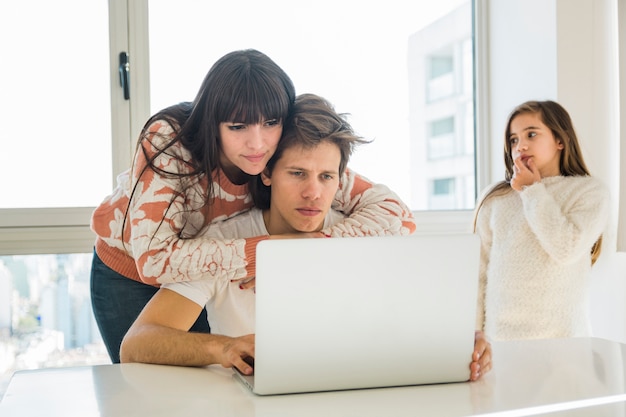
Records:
x=243, y=365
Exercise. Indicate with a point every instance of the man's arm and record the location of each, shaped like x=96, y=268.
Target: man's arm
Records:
x=158, y=336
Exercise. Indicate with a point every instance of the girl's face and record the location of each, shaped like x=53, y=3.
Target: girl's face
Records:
x=248, y=147
x=531, y=139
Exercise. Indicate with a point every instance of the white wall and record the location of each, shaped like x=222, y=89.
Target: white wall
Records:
x=565, y=50
x=588, y=87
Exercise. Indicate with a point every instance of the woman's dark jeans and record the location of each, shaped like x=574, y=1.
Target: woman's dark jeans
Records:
x=117, y=301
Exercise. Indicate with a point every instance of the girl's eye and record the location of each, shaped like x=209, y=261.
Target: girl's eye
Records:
x=512, y=141
x=272, y=122
x=532, y=134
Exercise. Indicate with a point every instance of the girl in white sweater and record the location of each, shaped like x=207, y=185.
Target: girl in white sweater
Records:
x=540, y=229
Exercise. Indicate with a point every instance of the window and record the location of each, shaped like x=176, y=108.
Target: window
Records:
x=444, y=186
x=441, y=105
x=442, y=127
x=442, y=193
x=56, y=104
x=57, y=164
x=45, y=314
x=61, y=141
x=441, y=82
x=440, y=66
x=46, y=308
x=441, y=140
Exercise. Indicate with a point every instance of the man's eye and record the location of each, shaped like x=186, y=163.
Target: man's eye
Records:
x=327, y=177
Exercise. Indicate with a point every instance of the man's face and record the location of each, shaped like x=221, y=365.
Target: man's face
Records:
x=304, y=182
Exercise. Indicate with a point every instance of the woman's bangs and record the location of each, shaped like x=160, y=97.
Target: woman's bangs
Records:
x=254, y=103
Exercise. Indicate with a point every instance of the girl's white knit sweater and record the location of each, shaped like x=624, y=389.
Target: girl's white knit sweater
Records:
x=535, y=258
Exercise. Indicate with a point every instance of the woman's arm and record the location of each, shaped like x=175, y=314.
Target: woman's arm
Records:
x=372, y=209
x=168, y=236
x=160, y=218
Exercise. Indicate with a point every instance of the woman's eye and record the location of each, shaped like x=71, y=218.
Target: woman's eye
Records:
x=236, y=126
x=272, y=122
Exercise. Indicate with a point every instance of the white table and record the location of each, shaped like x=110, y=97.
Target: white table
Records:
x=556, y=378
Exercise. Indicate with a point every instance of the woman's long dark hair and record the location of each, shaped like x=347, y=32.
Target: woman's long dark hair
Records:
x=243, y=86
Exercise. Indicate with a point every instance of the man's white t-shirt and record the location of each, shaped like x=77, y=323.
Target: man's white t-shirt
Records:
x=231, y=310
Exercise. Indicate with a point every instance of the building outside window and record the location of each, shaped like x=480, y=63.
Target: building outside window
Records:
x=441, y=82
x=441, y=138
x=442, y=113
x=45, y=314
x=442, y=193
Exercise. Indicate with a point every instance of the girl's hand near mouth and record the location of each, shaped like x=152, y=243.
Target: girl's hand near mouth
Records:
x=525, y=173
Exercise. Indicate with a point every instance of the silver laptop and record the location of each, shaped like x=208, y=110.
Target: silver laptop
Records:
x=352, y=313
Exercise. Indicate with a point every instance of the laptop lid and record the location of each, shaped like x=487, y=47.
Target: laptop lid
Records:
x=349, y=313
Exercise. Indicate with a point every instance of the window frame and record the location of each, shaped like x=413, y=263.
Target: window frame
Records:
x=31, y=231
